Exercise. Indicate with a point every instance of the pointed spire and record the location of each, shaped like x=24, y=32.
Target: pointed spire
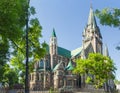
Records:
x=53, y=33
x=106, y=53
x=90, y=5
x=91, y=18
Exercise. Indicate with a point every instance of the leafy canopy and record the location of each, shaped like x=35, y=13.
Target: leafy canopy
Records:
x=109, y=16
x=97, y=67
x=12, y=37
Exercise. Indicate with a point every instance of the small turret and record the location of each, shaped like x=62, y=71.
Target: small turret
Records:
x=53, y=43
x=106, y=53
x=53, y=48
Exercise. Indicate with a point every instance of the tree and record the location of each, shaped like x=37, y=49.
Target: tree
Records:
x=12, y=18
x=10, y=76
x=4, y=54
x=12, y=35
x=117, y=81
x=97, y=67
x=36, y=50
x=110, y=17
x=12, y=21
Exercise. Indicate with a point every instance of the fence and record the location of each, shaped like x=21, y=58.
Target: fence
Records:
x=2, y=90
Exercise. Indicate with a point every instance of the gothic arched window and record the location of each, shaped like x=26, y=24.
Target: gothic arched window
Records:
x=41, y=64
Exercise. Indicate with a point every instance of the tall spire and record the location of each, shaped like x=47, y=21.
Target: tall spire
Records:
x=91, y=18
x=53, y=33
x=53, y=48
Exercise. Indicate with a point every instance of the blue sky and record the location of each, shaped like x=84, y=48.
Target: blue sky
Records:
x=69, y=17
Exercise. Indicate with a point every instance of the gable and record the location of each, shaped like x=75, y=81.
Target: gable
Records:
x=89, y=49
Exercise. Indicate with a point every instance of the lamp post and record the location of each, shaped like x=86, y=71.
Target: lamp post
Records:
x=27, y=50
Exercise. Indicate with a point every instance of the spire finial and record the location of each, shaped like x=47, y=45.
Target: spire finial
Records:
x=90, y=5
x=53, y=33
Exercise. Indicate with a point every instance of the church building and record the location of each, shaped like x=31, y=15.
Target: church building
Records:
x=55, y=69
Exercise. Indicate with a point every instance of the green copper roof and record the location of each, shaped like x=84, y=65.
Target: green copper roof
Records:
x=69, y=66
x=64, y=52
x=61, y=51
x=57, y=66
x=76, y=52
x=53, y=33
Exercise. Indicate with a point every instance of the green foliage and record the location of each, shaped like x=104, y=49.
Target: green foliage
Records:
x=97, y=67
x=117, y=81
x=10, y=76
x=109, y=16
x=51, y=90
x=4, y=55
x=12, y=37
x=12, y=22
x=36, y=49
x=118, y=47
x=17, y=62
x=32, y=10
x=12, y=18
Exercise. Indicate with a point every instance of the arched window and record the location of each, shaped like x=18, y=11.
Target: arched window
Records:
x=41, y=64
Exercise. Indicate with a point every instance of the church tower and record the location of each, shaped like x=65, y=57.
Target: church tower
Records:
x=53, y=47
x=91, y=34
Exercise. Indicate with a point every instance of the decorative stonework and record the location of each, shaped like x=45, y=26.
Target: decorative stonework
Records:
x=55, y=69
